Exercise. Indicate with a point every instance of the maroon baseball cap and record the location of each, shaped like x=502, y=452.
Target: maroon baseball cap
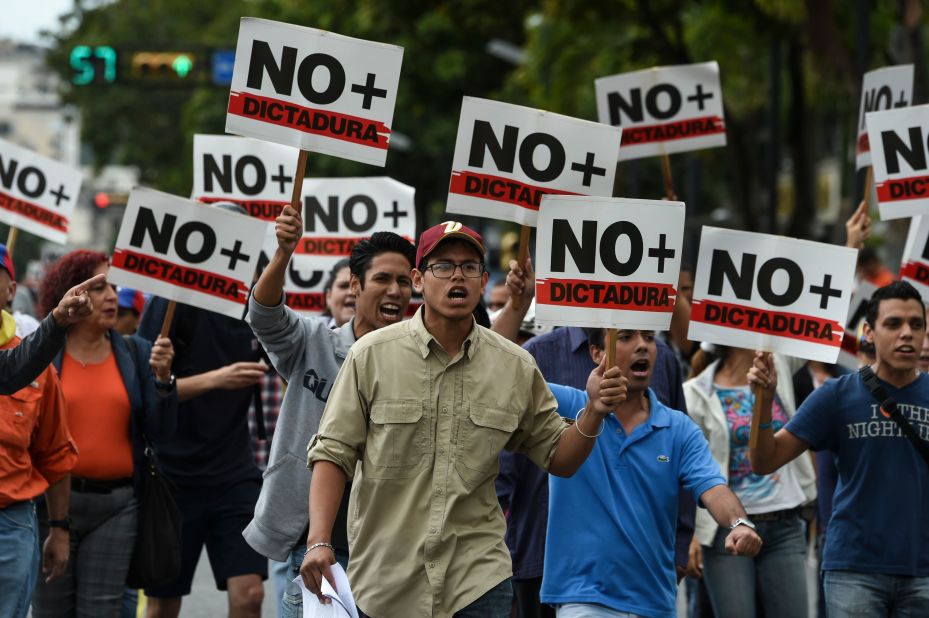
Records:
x=431, y=238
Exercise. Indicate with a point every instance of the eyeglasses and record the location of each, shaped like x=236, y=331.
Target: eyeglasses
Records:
x=445, y=270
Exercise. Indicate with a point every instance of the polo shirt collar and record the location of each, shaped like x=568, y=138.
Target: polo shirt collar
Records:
x=423, y=337
x=658, y=414
x=577, y=338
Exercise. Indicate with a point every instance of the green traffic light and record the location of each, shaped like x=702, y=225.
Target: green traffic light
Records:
x=182, y=65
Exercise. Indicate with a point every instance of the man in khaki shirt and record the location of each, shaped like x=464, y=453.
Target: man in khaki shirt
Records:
x=417, y=418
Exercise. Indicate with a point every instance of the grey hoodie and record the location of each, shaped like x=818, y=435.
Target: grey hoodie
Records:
x=308, y=355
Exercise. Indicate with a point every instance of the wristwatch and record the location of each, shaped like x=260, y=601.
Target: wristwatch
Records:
x=64, y=524
x=166, y=386
x=741, y=521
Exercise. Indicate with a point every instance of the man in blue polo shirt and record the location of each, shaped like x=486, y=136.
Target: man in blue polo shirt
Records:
x=610, y=544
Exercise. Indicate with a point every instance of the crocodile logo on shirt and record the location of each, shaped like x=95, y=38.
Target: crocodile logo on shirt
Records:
x=664, y=458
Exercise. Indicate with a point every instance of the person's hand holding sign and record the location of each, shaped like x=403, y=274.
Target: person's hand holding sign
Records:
x=289, y=229
x=763, y=375
x=858, y=227
x=606, y=389
x=521, y=282
x=161, y=358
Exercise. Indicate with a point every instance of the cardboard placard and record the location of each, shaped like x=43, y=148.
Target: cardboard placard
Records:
x=339, y=212
x=258, y=175
x=857, y=310
x=185, y=251
x=507, y=157
x=881, y=89
x=899, y=158
x=665, y=109
x=914, y=266
x=608, y=262
x=771, y=293
x=304, y=289
x=314, y=90
x=37, y=194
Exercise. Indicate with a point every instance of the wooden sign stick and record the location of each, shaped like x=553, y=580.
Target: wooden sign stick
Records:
x=11, y=240
x=610, y=347
x=296, y=198
x=169, y=317
x=521, y=258
x=868, y=181
x=760, y=395
x=668, y=179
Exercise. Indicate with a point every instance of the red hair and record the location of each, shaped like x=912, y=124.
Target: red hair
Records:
x=71, y=269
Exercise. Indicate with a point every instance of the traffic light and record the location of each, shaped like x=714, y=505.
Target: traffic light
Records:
x=93, y=65
x=163, y=66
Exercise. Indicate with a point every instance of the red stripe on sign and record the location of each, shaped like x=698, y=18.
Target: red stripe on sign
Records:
x=863, y=145
x=181, y=276
x=779, y=323
x=266, y=210
x=307, y=301
x=500, y=189
x=33, y=211
x=903, y=189
x=915, y=271
x=850, y=343
x=657, y=297
x=670, y=131
x=326, y=245
x=315, y=121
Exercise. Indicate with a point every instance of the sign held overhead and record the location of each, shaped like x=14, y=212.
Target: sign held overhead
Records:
x=749, y=294
x=314, y=90
x=664, y=110
x=881, y=89
x=608, y=262
x=188, y=252
x=899, y=157
x=507, y=157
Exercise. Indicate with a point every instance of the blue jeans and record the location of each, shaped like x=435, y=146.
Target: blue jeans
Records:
x=292, y=601
x=589, y=610
x=777, y=574
x=851, y=594
x=19, y=558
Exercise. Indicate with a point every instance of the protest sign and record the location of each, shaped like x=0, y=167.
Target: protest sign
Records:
x=881, y=89
x=857, y=310
x=258, y=175
x=608, y=262
x=664, y=110
x=898, y=156
x=304, y=289
x=187, y=252
x=339, y=212
x=507, y=157
x=772, y=293
x=37, y=194
x=914, y=266
x=314, y=90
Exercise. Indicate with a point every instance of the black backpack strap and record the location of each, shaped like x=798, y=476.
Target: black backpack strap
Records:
x=889, y=407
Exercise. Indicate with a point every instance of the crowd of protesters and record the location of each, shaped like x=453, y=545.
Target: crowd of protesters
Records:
x=453, y=467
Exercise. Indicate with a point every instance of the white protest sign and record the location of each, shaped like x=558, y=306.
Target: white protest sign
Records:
x=898, y=156
x=185, y=251
x=507, y=157
x=608, y=262
x=314, y=90
x=339, y=212
x=37, y=194
x=857, y=310
x=915, y=263
x=772, y=293
x=881, y=89
x=258, y=175
x=304, y=289
x=664, y=110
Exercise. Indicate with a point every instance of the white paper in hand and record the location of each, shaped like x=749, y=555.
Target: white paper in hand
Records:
x=343, y=603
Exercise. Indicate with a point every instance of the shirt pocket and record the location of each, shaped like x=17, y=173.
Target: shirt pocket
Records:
x=396, y=441
x=481, y=437
x=19, y=413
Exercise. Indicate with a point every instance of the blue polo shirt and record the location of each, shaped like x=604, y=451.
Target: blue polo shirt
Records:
x=611, y=526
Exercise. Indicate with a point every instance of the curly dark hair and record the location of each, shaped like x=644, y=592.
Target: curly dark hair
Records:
x=67, y=272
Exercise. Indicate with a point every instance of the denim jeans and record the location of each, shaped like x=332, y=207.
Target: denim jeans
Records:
x=777, y=575
x=19, y=558
x=850, y=594
x=292, y=602
x=589, y=610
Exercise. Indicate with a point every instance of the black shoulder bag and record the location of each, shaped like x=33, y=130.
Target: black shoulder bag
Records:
x=889, y=406
x=156, y=557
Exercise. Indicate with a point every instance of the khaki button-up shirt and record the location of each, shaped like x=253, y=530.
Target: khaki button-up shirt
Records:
x=425, y=431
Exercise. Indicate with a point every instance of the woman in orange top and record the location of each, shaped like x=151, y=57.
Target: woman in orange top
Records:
x=116, y=390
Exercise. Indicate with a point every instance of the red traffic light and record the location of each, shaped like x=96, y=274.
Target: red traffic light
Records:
x=101, y=200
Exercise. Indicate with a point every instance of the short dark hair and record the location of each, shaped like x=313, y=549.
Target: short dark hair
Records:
x=380, y=242
x=596, y=337
x=338, y=266
x=902, y=290
x=868, y=255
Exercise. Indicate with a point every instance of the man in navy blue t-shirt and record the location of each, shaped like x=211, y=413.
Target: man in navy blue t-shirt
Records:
x=876, y=559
